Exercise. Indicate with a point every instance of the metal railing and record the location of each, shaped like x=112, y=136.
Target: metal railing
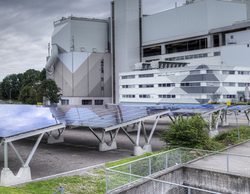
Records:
x=145, y=168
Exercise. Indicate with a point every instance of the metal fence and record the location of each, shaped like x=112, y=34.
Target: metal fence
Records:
x=143, y=169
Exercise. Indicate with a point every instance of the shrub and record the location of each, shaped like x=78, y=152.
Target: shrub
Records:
x=187, y=132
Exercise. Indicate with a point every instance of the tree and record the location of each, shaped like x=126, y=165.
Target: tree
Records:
x=191, y=132
x=11, y=86
x=49, y=90
x=28, y=95
x=31, y=77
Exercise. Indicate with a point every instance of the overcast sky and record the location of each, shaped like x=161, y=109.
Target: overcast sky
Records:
x=26, y=27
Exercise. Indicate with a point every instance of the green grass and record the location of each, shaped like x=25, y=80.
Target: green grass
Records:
x=73, y=185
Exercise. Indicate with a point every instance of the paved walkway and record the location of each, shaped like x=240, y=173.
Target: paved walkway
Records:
x=228, y=163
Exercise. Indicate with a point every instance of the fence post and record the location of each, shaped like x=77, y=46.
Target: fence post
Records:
x=107, y=180
x=130, y=172
x=149, y=166
x=189, y=191
x=166, y=161
x=227, y=161
x=180, y=161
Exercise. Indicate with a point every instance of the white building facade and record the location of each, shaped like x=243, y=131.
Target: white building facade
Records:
x=195, y=53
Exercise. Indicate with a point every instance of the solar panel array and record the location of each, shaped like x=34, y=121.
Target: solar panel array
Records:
x=99, y=116
x=18, y=119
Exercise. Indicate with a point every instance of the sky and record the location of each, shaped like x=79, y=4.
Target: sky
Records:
x=26, y=27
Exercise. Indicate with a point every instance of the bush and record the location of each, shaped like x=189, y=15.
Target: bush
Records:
x=191, y=132
x=231, y=137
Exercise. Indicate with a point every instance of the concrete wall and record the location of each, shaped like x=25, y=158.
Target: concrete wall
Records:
x=79, y=34
x=191, y=20
x=126, y=37
x=203, y=179
x=78, y=74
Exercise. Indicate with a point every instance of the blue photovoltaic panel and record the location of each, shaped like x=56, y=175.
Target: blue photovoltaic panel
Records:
x=239, y=108
x=18, y=119
x=100, y=116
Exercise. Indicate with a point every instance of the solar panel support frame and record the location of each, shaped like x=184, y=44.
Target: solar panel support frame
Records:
x=24, y=173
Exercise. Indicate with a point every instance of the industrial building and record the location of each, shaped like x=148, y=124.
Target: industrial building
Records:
x=193, y=53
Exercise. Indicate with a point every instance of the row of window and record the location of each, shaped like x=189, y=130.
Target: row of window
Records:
x=189, y=84
x=149, y=96
x=84, y=102
x=228, y=96
x=180, y=58
x=192, y=72
x=163, y=85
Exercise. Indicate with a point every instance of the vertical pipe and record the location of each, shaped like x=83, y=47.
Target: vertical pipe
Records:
x=227, y=160
x=5, y=155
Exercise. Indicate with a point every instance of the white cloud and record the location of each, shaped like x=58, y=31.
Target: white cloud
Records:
x=26, y=27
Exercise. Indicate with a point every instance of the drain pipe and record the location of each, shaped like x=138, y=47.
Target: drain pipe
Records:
x=50, y=66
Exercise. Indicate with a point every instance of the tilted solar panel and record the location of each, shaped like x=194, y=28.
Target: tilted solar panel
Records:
x=99, y=116
x=19, y=119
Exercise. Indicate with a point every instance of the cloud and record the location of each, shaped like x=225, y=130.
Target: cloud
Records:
x=26, y=27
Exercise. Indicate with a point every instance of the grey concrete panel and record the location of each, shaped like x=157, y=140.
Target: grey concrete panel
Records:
x=201, y=77
x=196, y=90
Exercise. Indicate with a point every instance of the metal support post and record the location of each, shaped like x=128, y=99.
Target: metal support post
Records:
x=138, y=134
x=17, y=153
x=33, y=150
x=5, y=155
x=153, y=129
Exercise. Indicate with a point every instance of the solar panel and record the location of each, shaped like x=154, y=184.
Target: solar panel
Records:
x=100, y=116
x=239, y=108
x=19, y=119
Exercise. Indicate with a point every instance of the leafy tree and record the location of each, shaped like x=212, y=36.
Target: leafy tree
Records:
x=31, y=77
x=43, y=75
x=49, y=90
x=11, y=86
x=191, y=132
x=28, y=95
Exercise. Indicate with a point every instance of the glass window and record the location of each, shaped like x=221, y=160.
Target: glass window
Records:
x=98, y=102
x=64, y=102
x=128, y=77
x=86, y=102
x=146, y=75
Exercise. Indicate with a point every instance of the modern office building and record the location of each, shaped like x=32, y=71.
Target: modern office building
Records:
x=196, y=52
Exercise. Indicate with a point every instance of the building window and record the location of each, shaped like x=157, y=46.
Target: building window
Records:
x=244, y=72
x=166, y=96
x=195, y=84
x=166, y=85
x=128, y=77
x=98, y=102
x=146, y=75
x=128, y=96
x=146, y=86
x=186, y=46
x=243, y=84
x=152, y=51
x=86, y=102
x=226, y=72
x=196, y=56
x=217, y=53
x=229, y=96
x=128, y=86
x=144, y=96
x=228, y=84
x=64, y=102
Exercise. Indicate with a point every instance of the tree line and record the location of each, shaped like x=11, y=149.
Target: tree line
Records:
x=30, y=87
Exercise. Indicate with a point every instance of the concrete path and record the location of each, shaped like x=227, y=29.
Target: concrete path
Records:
x=236, y=164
